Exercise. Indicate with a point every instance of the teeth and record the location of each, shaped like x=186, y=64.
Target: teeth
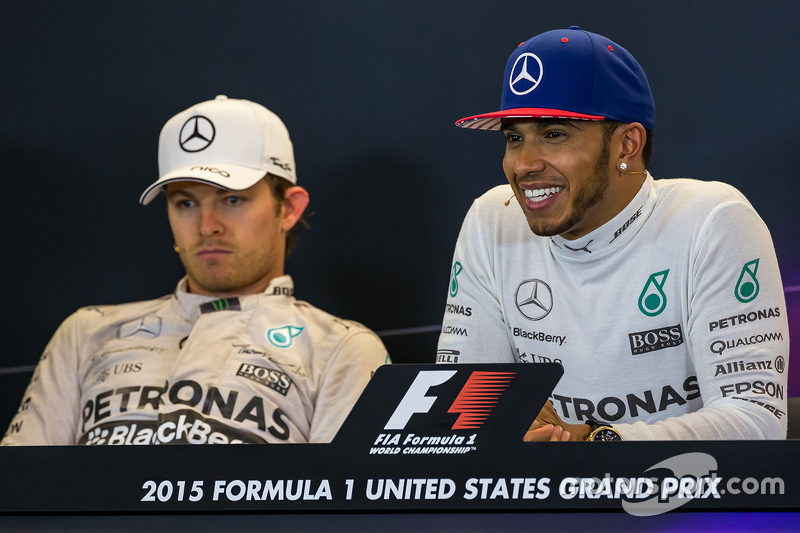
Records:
x=537, y=195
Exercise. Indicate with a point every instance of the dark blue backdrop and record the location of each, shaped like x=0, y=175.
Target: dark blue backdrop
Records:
x=369, y=91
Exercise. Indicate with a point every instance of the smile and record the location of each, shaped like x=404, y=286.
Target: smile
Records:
x=537, y=195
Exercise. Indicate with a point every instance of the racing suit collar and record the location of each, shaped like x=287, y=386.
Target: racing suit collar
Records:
x=614, y=234
x=189, y=305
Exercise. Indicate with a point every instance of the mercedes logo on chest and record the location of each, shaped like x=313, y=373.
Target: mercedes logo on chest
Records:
x=534, y=299
x=196, y=134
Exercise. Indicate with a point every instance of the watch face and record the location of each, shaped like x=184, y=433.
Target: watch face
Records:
x=606, y=434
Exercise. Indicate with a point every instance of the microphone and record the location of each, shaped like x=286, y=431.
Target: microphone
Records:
x=509, y=200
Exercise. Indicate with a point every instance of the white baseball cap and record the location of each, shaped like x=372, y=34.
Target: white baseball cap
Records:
x=223, y=142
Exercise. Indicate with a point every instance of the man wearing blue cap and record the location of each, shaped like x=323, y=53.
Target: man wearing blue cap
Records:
x=662, y=299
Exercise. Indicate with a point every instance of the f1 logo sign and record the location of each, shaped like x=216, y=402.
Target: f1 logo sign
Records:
x=474, y=403
x=415, y=400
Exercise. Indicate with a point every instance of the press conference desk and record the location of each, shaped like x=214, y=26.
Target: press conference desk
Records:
x=409, y=522
x=396, y=466
x=71, y=489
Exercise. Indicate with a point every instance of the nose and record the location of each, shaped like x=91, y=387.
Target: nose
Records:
x=210, y=223
x=529, y=160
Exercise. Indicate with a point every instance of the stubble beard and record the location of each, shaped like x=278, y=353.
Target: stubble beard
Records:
x=241, y=272
x=595, y=190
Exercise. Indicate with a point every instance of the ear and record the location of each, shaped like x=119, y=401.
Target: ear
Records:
x=631, y=143
x=294, y=204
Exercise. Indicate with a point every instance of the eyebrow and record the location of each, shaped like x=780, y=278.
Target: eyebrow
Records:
x=219, y=192
x=176, y=192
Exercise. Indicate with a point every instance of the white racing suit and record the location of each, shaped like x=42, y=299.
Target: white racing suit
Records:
x=186, y=368
x=669, y=320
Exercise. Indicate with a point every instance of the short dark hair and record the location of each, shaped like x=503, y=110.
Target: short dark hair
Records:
x=279, y=186
x=610, y=126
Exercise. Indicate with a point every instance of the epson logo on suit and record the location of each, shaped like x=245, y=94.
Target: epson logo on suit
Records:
x=655, y=339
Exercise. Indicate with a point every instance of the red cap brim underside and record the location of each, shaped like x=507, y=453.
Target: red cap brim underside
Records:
x=492, y=121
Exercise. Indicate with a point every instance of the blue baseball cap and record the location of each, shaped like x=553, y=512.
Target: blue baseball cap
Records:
x=571, y=74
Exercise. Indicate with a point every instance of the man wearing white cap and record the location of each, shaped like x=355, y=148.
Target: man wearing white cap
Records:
x=662, y=299
x=230, y=356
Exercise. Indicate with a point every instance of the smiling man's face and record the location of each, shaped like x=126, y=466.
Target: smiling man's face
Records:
x=560, y=173
x=230, y=242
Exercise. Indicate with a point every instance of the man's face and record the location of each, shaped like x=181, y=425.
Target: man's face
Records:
x=559, y=171
x=230, y=242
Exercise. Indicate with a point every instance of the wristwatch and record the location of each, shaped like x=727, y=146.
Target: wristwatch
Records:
x=600, y=431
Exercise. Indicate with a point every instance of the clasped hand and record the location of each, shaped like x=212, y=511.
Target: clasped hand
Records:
x=548, y=426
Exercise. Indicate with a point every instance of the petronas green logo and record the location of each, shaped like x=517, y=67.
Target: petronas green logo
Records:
x=457, y=268
x=747, y=287
x=283, y=337
x=653, y=301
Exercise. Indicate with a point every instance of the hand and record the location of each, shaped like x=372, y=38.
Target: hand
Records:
x=548, y=426
x=547, y=433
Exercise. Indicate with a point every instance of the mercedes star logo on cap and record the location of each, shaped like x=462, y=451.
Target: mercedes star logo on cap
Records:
x=196, y=134
x=534, y=299
x=516, y=82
